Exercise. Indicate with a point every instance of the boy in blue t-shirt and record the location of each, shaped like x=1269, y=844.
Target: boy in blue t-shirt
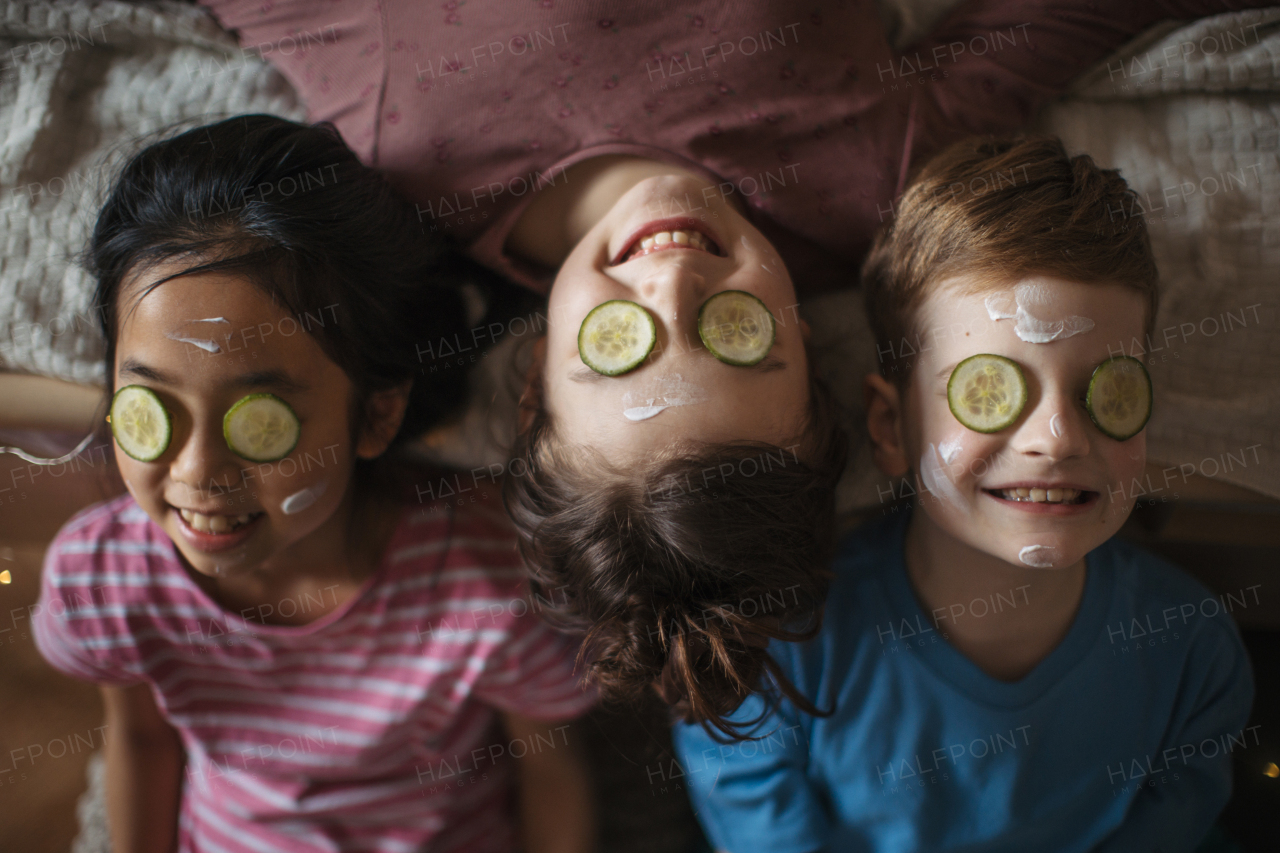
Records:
x=1002, y=674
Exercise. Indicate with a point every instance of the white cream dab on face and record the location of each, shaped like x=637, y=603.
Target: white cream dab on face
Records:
x=207, y=346
x=934, y=476
x=1039, y=556
x=663, y=393
x=300, y=500
x=949, y=450
x=1055, y=425
x=211, y=320
x=1027, y=307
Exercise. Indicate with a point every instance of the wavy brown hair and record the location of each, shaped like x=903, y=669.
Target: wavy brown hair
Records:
x=681, y=569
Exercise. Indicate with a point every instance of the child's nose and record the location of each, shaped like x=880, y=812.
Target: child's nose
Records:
x=203, y=462
x=674, y=292
x=1055, y=428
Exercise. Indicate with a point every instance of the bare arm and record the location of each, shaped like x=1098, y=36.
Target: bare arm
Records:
x=144, y=772
x=556, y=808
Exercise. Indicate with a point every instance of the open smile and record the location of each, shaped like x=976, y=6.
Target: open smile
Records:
x=1054, y=499
x=665, y=235
x=212, y=533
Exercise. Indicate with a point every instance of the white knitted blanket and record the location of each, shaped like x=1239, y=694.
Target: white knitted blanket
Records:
x=80, y=82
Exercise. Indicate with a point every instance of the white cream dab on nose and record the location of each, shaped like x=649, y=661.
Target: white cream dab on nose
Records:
x=1055, y=425
x=1039, y=556
x=300, y=500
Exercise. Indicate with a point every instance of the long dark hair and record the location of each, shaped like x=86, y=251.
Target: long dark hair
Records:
x=290, y=207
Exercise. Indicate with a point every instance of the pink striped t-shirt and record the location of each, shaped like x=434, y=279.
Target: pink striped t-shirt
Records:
x=372, y=728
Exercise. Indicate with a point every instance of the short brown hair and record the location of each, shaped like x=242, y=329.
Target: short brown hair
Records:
x=657, y=563
x=1003, y=209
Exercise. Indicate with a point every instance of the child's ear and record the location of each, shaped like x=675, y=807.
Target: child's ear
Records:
x=531, y=398
x=884, y=424
x=383, y=414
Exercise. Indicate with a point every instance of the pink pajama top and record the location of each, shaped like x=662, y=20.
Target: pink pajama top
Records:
x=372, y=728
x=802, y=111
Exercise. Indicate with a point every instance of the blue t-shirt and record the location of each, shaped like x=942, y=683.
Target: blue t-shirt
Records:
x=1119, y=740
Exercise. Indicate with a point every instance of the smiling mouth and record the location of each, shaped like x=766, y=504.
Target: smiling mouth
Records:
x=666, y=236
x=1050, y=496
x=217, y=523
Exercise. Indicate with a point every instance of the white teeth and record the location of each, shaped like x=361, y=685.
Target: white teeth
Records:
x=1052, y=496
x=214, y=523
x=692, y=239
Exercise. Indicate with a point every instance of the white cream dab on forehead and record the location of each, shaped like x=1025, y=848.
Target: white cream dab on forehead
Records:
x=206, y=345
x=1027, y=306
x=664, y=392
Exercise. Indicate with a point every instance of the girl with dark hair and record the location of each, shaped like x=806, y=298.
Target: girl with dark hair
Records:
x=337, y=666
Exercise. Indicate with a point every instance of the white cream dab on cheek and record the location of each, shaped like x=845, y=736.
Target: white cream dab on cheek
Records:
x=1055, y=425
x=949, y=450
x=1039, y=556
x=935, y=478
x=300, y=500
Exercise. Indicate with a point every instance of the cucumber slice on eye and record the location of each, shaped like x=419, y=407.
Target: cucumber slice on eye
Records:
x=736, y=327
x=140, y=423
x=1119, y=397
x=616, y=337
x=261, y=428
x=987, y=392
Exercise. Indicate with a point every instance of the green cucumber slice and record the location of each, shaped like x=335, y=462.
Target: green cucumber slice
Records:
x=617, y=336
x=987, y=392
x=1119, y=397
x=736, y=327
x=140, y=423
x=261, y=428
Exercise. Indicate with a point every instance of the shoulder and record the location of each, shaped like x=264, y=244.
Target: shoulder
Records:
x=458, y=548
x=104, y=538
x=1150, y=588
x=864, y=556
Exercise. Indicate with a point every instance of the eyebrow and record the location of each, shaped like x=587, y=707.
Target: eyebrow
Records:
x=276, y=379
x=769, y=364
